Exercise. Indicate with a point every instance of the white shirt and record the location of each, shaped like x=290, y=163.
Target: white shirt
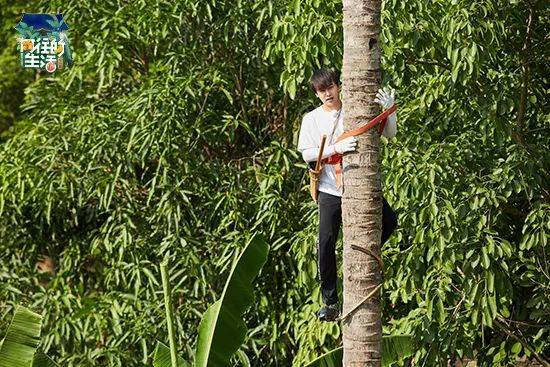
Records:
x=320, y=122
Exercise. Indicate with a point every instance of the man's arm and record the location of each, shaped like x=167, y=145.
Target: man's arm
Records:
x=346, y=145
x=309, y=140
x=390, y=130
x=386, y=99
x=310, y=154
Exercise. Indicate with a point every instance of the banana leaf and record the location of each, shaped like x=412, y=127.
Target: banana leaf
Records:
x=21, y=340
x=162, y=357
x=395, y=348
x=222, y=329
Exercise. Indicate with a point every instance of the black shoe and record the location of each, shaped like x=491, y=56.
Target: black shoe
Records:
x=329, y=312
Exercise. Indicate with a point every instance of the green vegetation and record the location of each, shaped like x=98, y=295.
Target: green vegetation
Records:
x=221, y=331
x=174, y=133
x=19, y=347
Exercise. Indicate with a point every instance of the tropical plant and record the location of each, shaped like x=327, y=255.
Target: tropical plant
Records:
x=19, y=348
x=221, y=330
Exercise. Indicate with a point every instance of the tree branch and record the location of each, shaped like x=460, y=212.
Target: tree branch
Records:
x=523, y=342
x=518, y=136
x=372, y=293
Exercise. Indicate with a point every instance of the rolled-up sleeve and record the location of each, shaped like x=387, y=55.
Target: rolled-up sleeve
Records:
x=309, y=141
x=390, y=130
x=308, y=138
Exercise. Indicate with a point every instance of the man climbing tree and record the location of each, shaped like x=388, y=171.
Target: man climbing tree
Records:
x=327, y=120
x=368, y=219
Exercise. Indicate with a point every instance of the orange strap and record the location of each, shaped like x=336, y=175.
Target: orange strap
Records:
x=336, y=159
x=362, y=129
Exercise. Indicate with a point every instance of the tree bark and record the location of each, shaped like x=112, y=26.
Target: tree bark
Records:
x=361, y=203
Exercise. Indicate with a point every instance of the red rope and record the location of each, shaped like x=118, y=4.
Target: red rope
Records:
x=336, y=159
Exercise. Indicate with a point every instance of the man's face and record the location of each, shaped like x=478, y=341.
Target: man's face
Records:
x=330, y=96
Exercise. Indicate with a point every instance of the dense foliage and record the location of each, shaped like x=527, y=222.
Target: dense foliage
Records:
x=175, y=132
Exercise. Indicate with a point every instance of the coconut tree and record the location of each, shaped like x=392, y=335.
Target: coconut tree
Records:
x=361, y=203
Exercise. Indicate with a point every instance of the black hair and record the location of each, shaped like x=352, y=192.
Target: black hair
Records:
x=323, y=78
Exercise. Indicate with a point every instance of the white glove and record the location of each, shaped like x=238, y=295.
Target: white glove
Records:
x=347, y=145
x=385, y=97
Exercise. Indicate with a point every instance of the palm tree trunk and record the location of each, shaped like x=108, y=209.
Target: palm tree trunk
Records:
x=361, y=203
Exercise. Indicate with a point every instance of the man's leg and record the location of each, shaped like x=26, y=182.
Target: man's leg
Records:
x=330, y=219
x=389, y=220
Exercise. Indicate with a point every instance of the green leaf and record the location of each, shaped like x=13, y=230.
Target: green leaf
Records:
x=454, y=56
x=492, y=305
x=490, y=282
x=419, y=238
x=222, y=330
x=292, y=88
x=516, y=348
x=473, y=52
x=431, y=252
x=22, y=339
x=433, y=209
x=243, y=359
x=475, y=314
x=454, y=73
x=485, y=262
x=473, y=292
x=429, y=308
x=162, y=357
x=440, y=311
x=296, y=7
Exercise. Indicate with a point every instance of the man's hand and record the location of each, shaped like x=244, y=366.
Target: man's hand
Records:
x=346, y=145
x=385, y=97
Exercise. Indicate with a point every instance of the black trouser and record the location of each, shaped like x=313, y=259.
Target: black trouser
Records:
x=330, y=219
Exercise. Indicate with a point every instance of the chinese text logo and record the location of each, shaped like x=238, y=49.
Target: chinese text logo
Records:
x=43, y=41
